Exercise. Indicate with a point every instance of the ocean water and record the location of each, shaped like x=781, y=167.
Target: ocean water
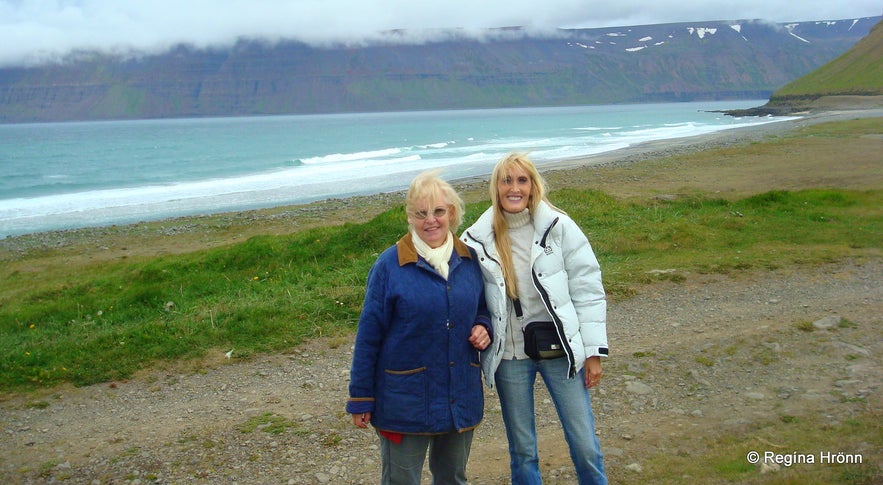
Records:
x=66, y=175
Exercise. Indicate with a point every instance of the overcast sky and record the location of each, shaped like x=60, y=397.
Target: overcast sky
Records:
x=39, y=30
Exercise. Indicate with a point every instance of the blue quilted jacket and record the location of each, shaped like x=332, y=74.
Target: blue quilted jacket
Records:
x=413, y=366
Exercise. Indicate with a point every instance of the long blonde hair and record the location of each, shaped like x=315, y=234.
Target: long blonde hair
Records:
x=500, y=225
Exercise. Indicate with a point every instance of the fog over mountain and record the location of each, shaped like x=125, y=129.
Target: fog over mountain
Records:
x=507, y=67
x=38, y=31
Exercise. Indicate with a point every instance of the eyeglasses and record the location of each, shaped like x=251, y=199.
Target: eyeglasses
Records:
x=438, y=213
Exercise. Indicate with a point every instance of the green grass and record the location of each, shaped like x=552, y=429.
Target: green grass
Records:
x=723, y=457
x=268, y=423
x=271, y=293
x=702, y=234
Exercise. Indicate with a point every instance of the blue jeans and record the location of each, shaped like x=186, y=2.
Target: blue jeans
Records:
x=515, y=386
x=402, y=463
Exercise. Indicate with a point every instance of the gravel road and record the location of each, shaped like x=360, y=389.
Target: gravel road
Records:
x=713, y=354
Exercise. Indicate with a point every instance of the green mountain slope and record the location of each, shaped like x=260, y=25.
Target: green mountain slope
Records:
x=859, y=71
x=851, y=80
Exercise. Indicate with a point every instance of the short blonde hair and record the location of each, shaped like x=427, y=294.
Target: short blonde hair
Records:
x=428, y=186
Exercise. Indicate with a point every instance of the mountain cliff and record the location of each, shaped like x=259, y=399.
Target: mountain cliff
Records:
x=852, y=80
x=638, y=64
x=856, y=73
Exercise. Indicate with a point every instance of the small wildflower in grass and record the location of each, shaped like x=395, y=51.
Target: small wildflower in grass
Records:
x=32, y=326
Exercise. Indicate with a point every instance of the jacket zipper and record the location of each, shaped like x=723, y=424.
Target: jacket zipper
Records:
x=488, y=256
x=559, y=327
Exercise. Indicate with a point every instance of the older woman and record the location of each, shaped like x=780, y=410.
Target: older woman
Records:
x=416, y=374
x=548, y=309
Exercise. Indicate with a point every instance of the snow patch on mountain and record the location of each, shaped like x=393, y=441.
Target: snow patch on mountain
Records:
x=702, y=31
x=790, y=29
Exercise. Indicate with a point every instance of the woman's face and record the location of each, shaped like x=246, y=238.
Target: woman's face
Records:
x=431, y=221
x=514, y=189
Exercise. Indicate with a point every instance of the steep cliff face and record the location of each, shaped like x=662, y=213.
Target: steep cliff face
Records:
x=653, y=63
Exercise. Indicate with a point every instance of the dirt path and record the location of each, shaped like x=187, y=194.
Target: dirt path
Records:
x=715, y=354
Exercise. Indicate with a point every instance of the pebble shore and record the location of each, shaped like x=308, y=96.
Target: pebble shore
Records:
x=337, y=209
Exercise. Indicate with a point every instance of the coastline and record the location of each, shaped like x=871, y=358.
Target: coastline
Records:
x=181, y=234
x=718, y=139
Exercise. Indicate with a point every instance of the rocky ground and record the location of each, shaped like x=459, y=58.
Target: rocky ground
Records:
x=715, y=354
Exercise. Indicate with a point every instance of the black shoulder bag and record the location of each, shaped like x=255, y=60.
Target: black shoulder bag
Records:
x=541, y=339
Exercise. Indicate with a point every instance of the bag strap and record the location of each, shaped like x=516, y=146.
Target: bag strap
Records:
x=518, y=312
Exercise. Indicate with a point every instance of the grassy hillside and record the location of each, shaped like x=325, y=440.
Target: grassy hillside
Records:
x=859, y=71
x=854, y=79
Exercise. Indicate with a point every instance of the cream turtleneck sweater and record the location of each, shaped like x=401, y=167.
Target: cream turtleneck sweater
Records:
x=521, y=234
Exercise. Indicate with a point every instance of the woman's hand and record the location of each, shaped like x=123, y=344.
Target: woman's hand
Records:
x=362, y=419
x=593, y=371
x=479, y=337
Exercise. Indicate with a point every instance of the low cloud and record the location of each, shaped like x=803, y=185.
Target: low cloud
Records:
x=36, y=31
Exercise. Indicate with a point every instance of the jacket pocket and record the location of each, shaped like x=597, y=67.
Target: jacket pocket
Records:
x=404, y=397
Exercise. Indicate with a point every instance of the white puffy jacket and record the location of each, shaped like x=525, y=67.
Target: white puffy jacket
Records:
x=566, y=274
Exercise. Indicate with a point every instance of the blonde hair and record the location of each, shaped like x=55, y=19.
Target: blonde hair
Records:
x=500, y=225
x=428, y=187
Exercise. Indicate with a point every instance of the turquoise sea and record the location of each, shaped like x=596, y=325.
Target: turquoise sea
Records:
x=66, y=175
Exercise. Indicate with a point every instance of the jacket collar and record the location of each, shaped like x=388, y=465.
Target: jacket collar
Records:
x=483, y=229
x=543, y=216
x=408, y=253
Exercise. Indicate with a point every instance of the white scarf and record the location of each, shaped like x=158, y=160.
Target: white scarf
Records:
x=437, y=257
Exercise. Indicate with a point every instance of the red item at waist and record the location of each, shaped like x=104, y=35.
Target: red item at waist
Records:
x=394, y=437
